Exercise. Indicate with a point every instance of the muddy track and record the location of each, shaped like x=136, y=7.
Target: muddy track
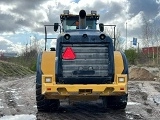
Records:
x=17, y=99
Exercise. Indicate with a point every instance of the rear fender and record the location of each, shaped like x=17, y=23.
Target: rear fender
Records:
x=48, y=66
x=45, y=66
x=38, y=69
x=125, y=63
x=121, y=64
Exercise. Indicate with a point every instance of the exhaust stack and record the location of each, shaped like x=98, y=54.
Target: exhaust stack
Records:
x=82, y=19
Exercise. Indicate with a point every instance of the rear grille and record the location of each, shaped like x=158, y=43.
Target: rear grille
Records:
x=91, y=61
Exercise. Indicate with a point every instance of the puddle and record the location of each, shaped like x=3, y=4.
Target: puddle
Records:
x=35, y=106
x=15, y=93
x=12, y=91
x=17, y=97
x=132, y=116
x=1, y=104
x=133, y=103
x=20, y=105
x=19, y=117
x=155, y=99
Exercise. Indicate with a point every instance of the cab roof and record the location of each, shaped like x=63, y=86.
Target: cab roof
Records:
x=72, y=16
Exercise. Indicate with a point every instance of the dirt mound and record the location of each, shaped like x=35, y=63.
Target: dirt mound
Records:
x=8, y=69
x=139, y=73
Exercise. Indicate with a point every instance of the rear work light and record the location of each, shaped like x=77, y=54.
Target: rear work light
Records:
x=67, y=36
x=102, y=36
x=68, y=54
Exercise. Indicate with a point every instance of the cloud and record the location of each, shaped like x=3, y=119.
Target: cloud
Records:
x=149, y=7
x=35, y=14
x=114, y=10
x=4, y=43
x=7, y=23
x=53, y=43
x=8, y=46
x=27, y=14
x=32, y=15
x=136, y=21
x=41, y=44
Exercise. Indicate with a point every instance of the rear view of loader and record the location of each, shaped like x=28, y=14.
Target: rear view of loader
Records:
x=84, y=65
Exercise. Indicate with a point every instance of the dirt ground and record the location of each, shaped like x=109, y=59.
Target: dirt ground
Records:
x=17, y=101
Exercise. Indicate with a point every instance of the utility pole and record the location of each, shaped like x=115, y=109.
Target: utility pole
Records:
x=30, y=43
x=26, y=47
x=126, y=35
x=138, y=48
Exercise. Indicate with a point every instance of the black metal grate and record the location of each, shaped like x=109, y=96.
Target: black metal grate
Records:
x=91, y=61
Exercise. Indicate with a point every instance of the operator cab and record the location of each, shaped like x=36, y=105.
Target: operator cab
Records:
x=71, y=22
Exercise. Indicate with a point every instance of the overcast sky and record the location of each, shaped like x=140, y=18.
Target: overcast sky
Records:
x=24, y=20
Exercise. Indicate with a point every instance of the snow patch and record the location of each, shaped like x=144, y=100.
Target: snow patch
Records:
x=19, y=117
x=133, y=103
x=1, y=104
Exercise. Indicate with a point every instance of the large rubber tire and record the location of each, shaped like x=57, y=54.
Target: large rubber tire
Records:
x=115, y=102
x=105, y=103
x=43, y=104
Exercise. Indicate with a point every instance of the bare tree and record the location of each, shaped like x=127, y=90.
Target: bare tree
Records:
x=156, y=36
x=146, y=33
x=119, y=42
x=151, y=37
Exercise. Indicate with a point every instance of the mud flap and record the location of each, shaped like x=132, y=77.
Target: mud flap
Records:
x=105, y=102
x=118, y=102
x=115, y=102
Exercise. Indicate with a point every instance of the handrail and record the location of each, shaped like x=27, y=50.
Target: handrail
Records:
x=114, y=35
x=46, y=34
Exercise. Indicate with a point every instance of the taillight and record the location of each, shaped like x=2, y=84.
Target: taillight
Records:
x=68, y=54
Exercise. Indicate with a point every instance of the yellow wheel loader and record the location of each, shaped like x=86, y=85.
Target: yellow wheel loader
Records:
x=83, y=66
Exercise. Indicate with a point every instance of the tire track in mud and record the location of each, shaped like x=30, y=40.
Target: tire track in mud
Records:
x=16, y=96
x=154, y=98
x=12, y=107
x=10, y=100
x=87, y=111
x=93, y=110
x=77, y=114
x=146, y=96
x=142, y=107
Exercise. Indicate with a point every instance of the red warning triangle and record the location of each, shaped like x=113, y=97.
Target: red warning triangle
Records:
x=68, y=54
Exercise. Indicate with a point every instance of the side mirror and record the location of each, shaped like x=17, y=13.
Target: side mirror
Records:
x=101, y=27
x=56, y=26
